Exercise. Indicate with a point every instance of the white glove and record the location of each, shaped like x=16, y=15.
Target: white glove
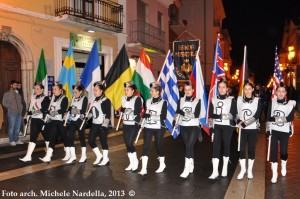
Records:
x=53, y=113
x=227, y=116
x=280, y=120
x=155, y=117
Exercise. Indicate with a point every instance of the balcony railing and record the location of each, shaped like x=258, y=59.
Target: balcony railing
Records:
x=102, y=13
x=146, y=34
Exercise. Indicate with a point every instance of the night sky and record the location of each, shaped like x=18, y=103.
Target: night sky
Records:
x=259, y=25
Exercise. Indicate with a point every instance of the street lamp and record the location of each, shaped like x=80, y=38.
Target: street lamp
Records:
x=290, y=69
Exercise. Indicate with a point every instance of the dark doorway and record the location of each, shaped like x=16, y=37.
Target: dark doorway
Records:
x=10, y=68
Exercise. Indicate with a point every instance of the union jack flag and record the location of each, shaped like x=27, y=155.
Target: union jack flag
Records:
x=277, y=77
x=217, y=73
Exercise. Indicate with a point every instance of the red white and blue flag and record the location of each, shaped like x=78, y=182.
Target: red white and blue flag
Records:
x=200, y=91
x=277, y=77
x=217, y=73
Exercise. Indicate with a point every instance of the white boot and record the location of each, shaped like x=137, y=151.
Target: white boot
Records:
x=105, y=160
x=186, y=170
x=250, y=168
x=225, y=166
x=67, y=156
x=98, y=155
x=144, y=165
x=30, y=149
x=162, y=165
x=192, y=165
x=215, y=172
x=83, y=155
x=48, y=155
x=72, y=155
x=130, y=162
x=274, y=172
x=243, y=169
x=47, y=145
x=135, y=161
x=283, y=167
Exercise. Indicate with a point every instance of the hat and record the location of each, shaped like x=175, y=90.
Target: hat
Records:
x=57, y=83
x=130, y=84
x=78, y=86
x=155, y=84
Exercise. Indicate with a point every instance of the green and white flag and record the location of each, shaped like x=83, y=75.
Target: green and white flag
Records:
x=41, y=73
x=143, y=76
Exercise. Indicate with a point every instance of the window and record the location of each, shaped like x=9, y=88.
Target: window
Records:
x=160, y=20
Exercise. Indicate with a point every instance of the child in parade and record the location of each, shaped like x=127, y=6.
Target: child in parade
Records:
x=38, y=107
x=76, y=113
x=100, y=113
x=131, y=110
x=189, y=112
x=54, y=119
x=222, y=112
x=279, y=129
x=155, y=114
x=249, y=109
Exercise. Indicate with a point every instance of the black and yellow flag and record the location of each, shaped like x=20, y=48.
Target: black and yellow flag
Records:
x=119, y=73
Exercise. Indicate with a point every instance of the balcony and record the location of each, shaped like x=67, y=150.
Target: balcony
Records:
x=149, y=36
x=104, y=14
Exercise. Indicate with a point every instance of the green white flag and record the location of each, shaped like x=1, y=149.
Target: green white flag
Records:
x=41, y=73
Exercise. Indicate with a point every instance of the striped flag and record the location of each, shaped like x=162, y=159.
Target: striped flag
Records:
x=143, y=75
x=67, y=75
x=277, y=76
x=119, y=73
x=217, y=73
x=170, y=91
x=244, y=73
x=91, y=72
x=41, y=73
x=199, y=90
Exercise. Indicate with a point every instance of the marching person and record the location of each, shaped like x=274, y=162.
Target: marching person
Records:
x=76, y=112
x=131, y=110
x=100, y=113
x=189, y=111
x=37, y=110
x=249, y=109
x=222, y=112
x=155, y=114
x=280, y=129
x=54, y=119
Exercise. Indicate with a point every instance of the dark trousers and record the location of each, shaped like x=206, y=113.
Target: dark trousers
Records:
x=283, y=139
x=129, y=135
x=159, y=136
x=248, y=136
x=189, y=136
x=73, y=127
x=56, y=128
x=102, y=132
x=222, y=137
x=36, y=126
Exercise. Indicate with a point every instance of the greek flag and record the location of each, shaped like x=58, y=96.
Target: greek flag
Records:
x=170, y=93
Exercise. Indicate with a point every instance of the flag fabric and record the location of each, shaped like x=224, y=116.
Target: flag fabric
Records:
x=67, y=76
x=91, y=72
x=244, y=73
x=277, y=76
x=170, y=91
x=119, y=73
x=143, y=76
x=200, y=91
x=41, y=73
x=217, y=73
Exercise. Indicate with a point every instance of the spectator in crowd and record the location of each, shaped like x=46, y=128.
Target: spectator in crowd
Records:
x=12, y=100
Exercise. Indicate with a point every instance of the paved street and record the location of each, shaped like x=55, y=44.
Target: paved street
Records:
x=57, y=180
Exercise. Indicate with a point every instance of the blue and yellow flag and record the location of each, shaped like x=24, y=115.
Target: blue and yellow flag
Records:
x=67, y=75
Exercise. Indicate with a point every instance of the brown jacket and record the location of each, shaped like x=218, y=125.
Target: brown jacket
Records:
x=13, y=102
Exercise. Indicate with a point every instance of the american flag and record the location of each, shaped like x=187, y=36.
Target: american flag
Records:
x=217, y=73
x=277, y=77
x=170, y=91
